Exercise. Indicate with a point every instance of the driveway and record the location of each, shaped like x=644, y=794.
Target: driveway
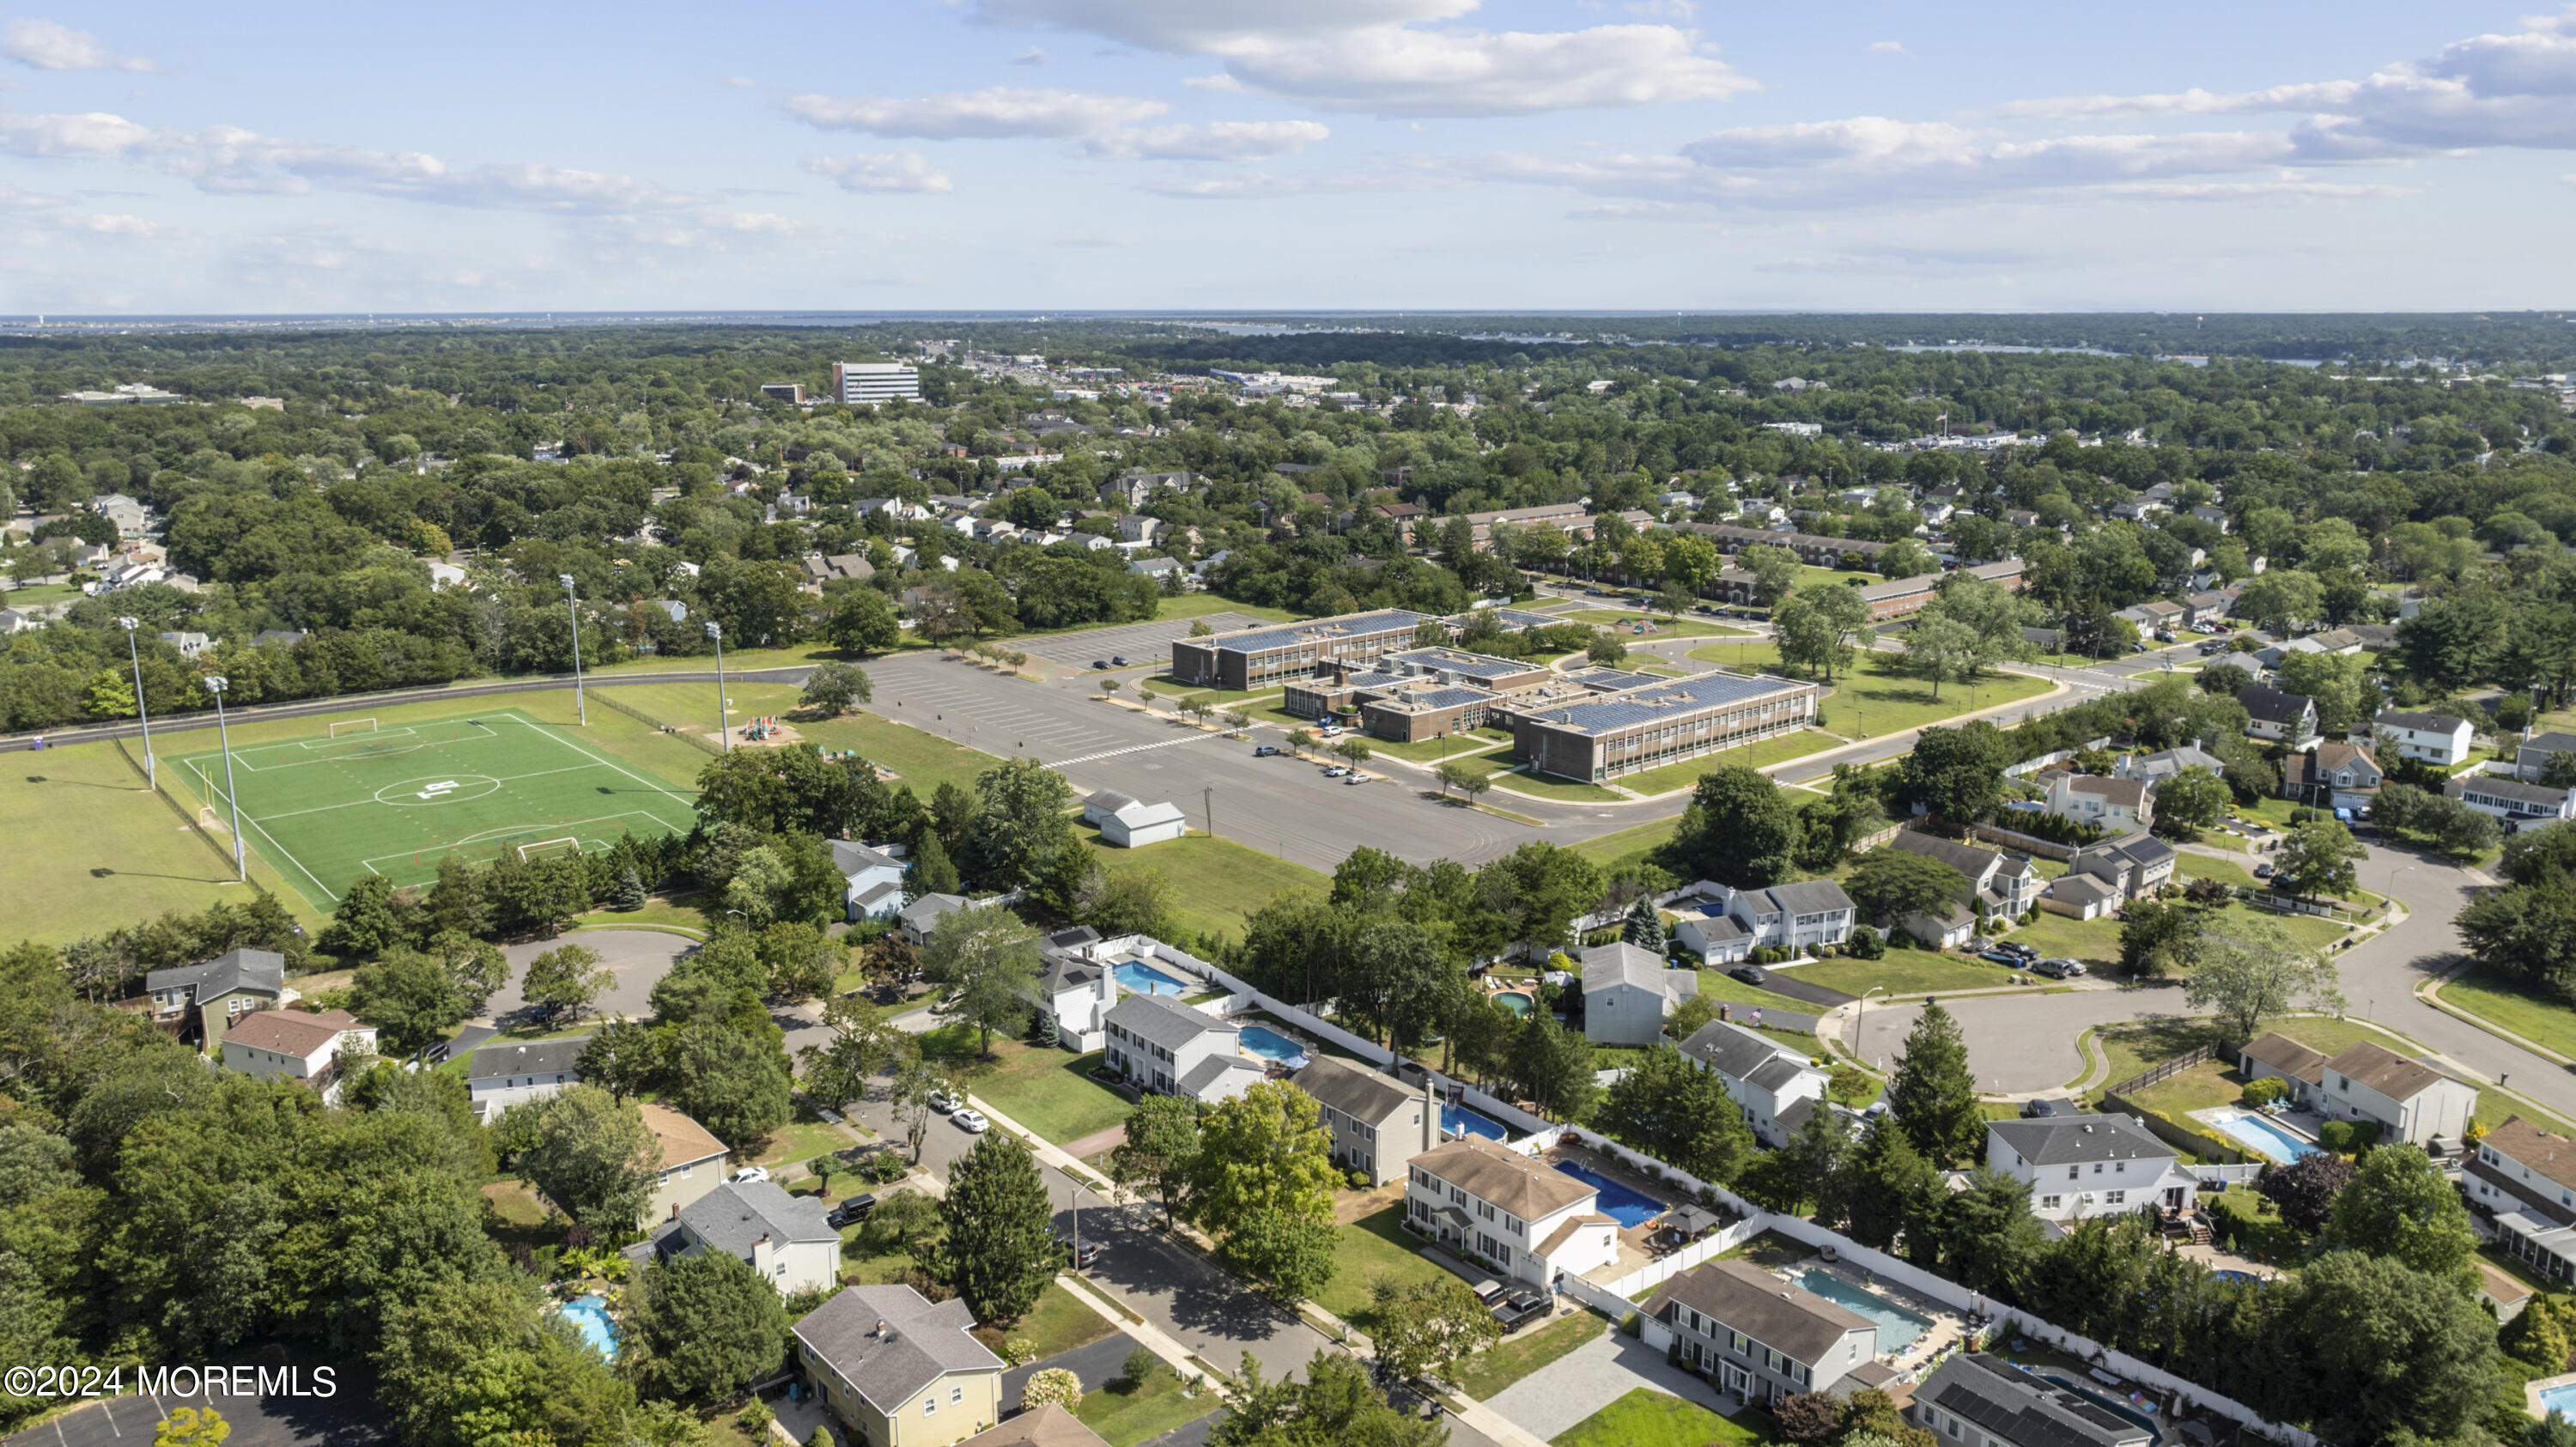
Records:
x=1592, y=1376
x=637, y=958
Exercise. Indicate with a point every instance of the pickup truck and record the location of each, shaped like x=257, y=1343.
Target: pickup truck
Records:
x=1521, y=1308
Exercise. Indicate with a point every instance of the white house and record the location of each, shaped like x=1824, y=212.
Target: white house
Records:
x=2277, y=717
x=296, y=1045
x=1527, y=1221
x=1077, y=991
x=2131, y=865
x=1761, y=1339
x=502, y=1076
x=2518, y=804
x=1776, y=1087
x=1723, y=924
x=782, y=1237
x=872, y=881
x=2007, y=883
x=1628, y=992
x=2437, y=739
x=2411, y=1101
x=1157, y=1043
x=2079, y=1166
x=2119, y=805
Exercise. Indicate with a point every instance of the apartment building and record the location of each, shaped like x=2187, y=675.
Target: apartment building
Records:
x=1661, y=723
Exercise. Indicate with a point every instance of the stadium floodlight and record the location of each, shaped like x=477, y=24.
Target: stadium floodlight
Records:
x=215, y=684
x=574, y=609
x=724, y=734
x=151, y=770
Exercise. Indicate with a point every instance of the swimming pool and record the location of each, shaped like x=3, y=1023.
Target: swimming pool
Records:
x=1516, y=1001
x=2259, y=1135
x=2236, y=1276
x=1459, y=1121
x=2558, y=1399
x=1897, y=1327
x=1143, y=979
x=589, y=1316
x=1620, y=1204
x=1272, y=1046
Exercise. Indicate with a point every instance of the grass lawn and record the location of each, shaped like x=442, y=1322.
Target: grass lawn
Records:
x=657, y=911
x=1058, y=1323
x=1142, y=1411
x=1500, y=766
x=1715, y=985
x=1648, y=1418
x=1875, y=697
x=2204, y=1085
x=1903, y=972
x=1626, y=848
x=2508, y=1006
x=1368, y=1249
x=923, y=760
x=2201, y=866
x=801, y=1140
x=1484, y=1375
x=1762, y=753
x=2275, y=812
x=2305, y=930
x=1215, y=881
x=1770, y=1249
x=36, y=595
x=2094, y=941
x=1041, y=1087
x=1431, y=750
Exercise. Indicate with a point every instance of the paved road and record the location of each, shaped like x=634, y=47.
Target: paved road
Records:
x=347, y=1418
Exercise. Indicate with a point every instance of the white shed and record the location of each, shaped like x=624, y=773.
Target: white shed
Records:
x=1140, y=824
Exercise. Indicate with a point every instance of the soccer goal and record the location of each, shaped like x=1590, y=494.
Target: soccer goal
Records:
x=550, y=849
x=353, y=725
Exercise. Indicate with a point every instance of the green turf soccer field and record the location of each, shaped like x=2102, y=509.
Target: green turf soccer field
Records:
x=355, y=800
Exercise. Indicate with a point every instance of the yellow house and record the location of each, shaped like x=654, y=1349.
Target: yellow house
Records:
x=692, y=1161
x=899, y=1371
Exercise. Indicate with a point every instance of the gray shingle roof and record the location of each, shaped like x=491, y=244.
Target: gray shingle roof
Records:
x=2271, y=705
x=1110, y=801
x=1621, y=963
x=2550, y=743
x=1162, y=1020
x=2068, y=1140
x=930, y=907
x=2080, y=888
x=737, y=1215
x=1810, y=896
x=922, y=1342
x=1731, y=1051
x=1787, y=1319
x=1204, y=1075
x=2011, y=1405
x=2495, y=786
x=225, y=973
x=2431, y=723
x=851, y=858
x=1355, y=1091
x=533, y=1057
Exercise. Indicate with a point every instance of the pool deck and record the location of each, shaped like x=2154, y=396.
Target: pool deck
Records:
x=1948, y=1327
x=2289, y=1123
x=2531, y=1391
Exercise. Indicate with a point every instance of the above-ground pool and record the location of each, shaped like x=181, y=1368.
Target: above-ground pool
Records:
x=1618, y=1202
x=2259, y=1135
x=1272, y=1046
x=1143, y=979
x=2561, y=1399
x=589, y=1316
x=1457, y=1120
x=2237, y=1276
x=1516, y=1001
x=1897, y=1327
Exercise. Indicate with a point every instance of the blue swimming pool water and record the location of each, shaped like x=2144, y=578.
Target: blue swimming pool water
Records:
x=1516, y=1001
x=589, y=1316
x=2259, y=1135
x=1273, y=1046
x=2558, y=1399
x=2234, y=1276
x=1459, y=1121
x=1897, y=1327
x=1142, y=979
x=1620, y=1204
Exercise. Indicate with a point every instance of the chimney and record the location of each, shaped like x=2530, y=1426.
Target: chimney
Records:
x=881, y=1328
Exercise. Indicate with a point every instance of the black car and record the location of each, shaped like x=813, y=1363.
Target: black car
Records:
x=1118, y=660
x=1521, y=1308
x=1100, y=663
x=2037, y=1109
x=2015, y=947
x=850, y=1212
x=1749, y=974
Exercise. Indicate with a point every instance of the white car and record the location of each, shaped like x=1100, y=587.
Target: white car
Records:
x=1336, y=771
x=973, y=1120
x=942, y=1102
x=749, y=1174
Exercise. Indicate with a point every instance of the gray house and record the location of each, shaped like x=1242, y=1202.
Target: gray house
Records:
x=1628, y=991
x=1157, y=1043
x=1376, y=1124
x=1776, y=1087
x=506, y=1075
x=213, y=995
x=1759, y=1338
x=784, y=1238
x=1977, y=1400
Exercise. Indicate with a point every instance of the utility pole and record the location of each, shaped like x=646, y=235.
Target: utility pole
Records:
x=574, y=609
x=1207, y=806
x=215, y=685
x=151, y=770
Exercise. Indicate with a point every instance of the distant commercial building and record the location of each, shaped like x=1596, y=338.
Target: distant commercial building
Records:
x=869, y=383
x=784, y=391
x=1270, y=653
x=1660, y=723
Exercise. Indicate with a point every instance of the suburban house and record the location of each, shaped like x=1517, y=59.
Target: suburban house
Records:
x=2008, y=884
x=1628, y=992
x=2515, y=802
x=297, y=1045
x=1775, y=1086
x=1157, y=1043
x=2525, y=1178
x=872, y=881
x=1977, y=1400
x=692, y=1161
x=2411, y=1101
x=1727, y=924
x=2277, y=717
x=782, y=1237
x=202, y=1001
x=2130, y=866
x=502, y=1076
x=2112, y=804
x=919, y=920
x=2437, y=739
x=1530, y=1223
x=2531, y=757
x=2334, y=776
x=1761, y=1339
x=2079, y=896
x=2163, y=764
x=1045, y=1425
x=2088, y=1165
x=1077, y=992
x=1376, y=1124
x=899, y=1370
x=1126, y=822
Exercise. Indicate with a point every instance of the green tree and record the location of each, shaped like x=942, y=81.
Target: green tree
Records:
x=1552, y=1066
x=2358, y=1313
x=999, y=1252
x=1161, y=1151
x=410, y=998
x=1940, y=649
x=564, y=980
x=731, y=1083
x=365, y=921
x=863, y=621
x=987, y=965
x=1423, y=1329
x=1988, y=1235
x=1894, y=883
x=592, y=1156
x=1738, y=829
x=865, y=1042
x=1957, y=774
x=1808, y=1171
x=2250, y=969
x=1644, y=926
x=623, y=1057
x=2189, y=802
x=1263, y=1184
x=833, y=689
x=707, y=1327
x=1672, y=1110
x=1134, y=902
x=1891, y=1186
x=1774, y=569
x=1806, y=637
x=2318, y=858
x=1019, y=824
x=1932, y=1096
x=192, y=1427
x=2400, y=1206
x=2159, y=937
x=1332, y=1405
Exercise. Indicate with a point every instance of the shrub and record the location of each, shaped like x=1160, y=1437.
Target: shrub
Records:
x=2265, y=1091
x=2336, y=1136
x=1808, y=1416
x=1898, y=939
x=755, y=1419
x=1865, y=944
x=1019, y=1351
x=1632, y=1325
x=1140, y=1366
x=1056, y=1385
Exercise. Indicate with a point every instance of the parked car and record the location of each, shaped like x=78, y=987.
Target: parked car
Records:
x=971, y=1119
x=2004, y=958
x=942, y=1102
x=1265, y=751
x=2038, y=1109
x=2058, y=969
x=2016, y=947
x=749, y=1174
x=1083, y=1257
x=1489, y=1291
x=1336, y=771
x=1356, y=777
x=2262, y=871
x=851, y=1212
x=1118, y=660
x=1100, y=663
x=1521, y=1308
x=1749, y=974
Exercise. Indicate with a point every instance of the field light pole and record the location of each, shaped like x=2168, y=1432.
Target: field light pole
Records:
x=151, y=769
x=215, y=685
x=724, y=731
x=574, y=609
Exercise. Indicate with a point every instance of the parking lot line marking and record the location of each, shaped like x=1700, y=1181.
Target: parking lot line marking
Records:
x=1131, y=749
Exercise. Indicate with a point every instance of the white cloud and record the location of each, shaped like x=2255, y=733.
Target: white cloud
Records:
x=880, y=172
x=34, y=208
x=1266, y=186
x=995, y=113
x=1887, y=47
x=1374, y=56
x=1218, y=141
x=1218, y=82
x=48, y=46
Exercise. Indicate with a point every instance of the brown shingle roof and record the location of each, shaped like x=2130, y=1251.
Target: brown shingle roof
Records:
x=1044, y=1426
x=2384, y=1070
x=1513, y=1182
x=2543, y=1154
x=289, y=1032
x=683, y=1140
x=2287, y=1056
x=1743, y=1296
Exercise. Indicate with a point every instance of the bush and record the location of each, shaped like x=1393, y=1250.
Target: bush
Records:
x=1019, y=1351
x=1140, y=1366
x=755, y=1419
x=2265, y=1091
x=1632, y=1325
x=1808, y=1416
x=2336, y=1136
x=1056, y=1385
x=1865, y=944
x=1898, y=939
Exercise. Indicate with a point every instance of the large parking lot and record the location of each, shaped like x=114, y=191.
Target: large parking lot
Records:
x=1138, y=643
x=344, y=1419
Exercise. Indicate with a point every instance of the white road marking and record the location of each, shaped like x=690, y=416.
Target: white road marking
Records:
x=1131, y=749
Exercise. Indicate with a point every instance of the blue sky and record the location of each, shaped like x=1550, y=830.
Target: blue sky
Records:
x=1180, y=154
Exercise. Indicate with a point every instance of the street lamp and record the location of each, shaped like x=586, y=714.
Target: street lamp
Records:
x=574, y=611
x=215, y=684
x=2391, y=902
x=1860, y=1016
x=151, y=770
x=724, y=733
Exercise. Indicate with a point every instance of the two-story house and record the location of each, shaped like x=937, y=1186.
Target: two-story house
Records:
x=2079, y=1166
x=1759, y=1337
x=1077, y=992
x=1724, y=925
x=2524, y=1179
x=2277, y=717
x=1977, y=1400
x=502, y=1076
x=2520, y=805
x=1376, y=1124
x=2436, y=738
x=2008, y=884
x=1156, y=1043
x=1530, y=1223
x=2113, y=871
x=1776, y=1087
x=690, y=1161
x=297, y=1045
x=1628, y=992
x=871, y=878
x=783, y=1238
x=899, y=1370
x=2114, y=805
x=2410, y=1100
x=921, y=919
x=2333, y=776
x=203, y=1001
x=2531, y=756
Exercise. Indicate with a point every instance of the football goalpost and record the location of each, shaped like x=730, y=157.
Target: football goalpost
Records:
x=353, y=725
x=550, y=849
